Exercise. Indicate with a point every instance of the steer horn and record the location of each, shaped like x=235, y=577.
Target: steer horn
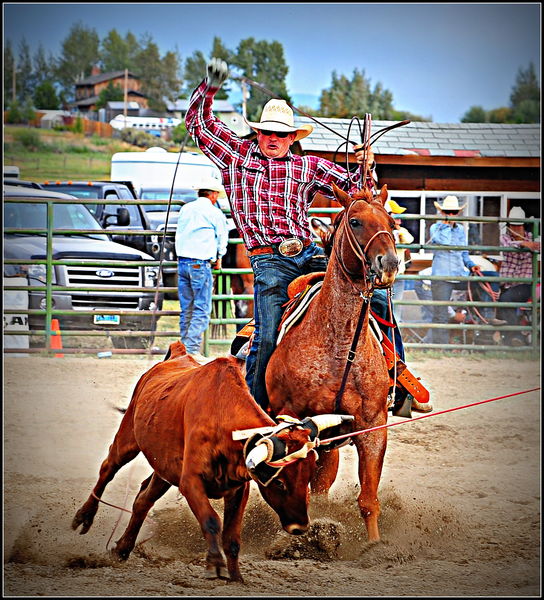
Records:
x=262, y=452
x=321, y=422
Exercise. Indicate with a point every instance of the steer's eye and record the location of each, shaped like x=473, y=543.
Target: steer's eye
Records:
x=278, y=483
x=355, y=223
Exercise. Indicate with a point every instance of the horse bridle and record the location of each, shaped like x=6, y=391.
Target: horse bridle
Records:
x=367, y=274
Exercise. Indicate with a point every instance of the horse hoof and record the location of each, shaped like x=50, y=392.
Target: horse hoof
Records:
x=217, y=573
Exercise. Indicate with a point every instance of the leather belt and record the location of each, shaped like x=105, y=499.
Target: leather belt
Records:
x=289, y=247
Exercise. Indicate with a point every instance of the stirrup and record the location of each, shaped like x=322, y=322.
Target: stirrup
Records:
x=403, y=406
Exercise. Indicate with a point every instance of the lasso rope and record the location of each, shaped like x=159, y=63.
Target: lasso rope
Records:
x=441, y=412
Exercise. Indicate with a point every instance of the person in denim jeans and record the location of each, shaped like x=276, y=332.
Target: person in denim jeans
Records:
x=448, y=262
x=270, y=190
x=201, y=241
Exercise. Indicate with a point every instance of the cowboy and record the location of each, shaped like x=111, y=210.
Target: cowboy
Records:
x=516, y=264
x=448, y=263
x=270, y=190
x=201, y=241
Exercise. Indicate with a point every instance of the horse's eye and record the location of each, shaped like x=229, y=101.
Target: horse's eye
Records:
x=355, y=223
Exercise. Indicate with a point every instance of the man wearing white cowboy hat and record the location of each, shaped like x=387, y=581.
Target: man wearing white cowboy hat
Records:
x=516, y=264
x=270, y=190
x=450, y=263
x=201, y=241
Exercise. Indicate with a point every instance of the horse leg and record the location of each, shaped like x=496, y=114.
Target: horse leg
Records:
x=235, y=505
x=325, y=473
x=192, y=487
x=371, y=450
x=151, y=490
x=122, y=450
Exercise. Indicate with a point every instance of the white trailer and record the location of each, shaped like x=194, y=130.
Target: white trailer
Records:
x=156, y=168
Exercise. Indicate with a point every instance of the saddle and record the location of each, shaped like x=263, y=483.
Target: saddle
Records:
x=301, y=292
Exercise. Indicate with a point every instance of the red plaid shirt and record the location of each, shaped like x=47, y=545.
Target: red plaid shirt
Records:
x=269, y=198
x=516, y=264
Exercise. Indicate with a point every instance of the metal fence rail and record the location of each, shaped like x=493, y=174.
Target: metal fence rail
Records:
x=223, y=314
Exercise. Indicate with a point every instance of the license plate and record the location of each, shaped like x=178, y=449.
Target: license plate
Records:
x=106, y=319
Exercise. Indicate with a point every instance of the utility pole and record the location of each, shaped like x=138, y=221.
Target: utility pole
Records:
x=14, y=80
x=244, y=99
x=126, y=97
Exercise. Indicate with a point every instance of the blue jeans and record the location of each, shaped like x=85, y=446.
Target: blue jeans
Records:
x=441, y=290
x=195, y=284
x=380, y=306
x=272, y=275
x=479, y=293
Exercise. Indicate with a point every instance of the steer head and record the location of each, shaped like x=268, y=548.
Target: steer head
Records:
x=282, y=461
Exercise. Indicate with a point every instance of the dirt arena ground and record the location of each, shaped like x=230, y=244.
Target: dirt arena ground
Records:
x=460, y=496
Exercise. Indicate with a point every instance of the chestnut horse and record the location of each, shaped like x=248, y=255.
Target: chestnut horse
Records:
x=306, y=370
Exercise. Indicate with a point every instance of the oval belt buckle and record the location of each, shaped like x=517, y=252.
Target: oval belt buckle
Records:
x=291, y=247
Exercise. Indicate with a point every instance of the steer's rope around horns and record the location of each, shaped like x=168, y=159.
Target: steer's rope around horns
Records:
x=434, y=414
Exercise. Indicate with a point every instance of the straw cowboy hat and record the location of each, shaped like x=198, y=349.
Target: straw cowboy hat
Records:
x=516, y=212
x=392, y=207
x=278, y=116
x=449, y=203
x=209, y=183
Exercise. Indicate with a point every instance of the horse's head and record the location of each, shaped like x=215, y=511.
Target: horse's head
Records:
x=362, y=237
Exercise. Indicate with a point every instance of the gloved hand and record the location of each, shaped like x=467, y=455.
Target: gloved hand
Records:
x=218, y=72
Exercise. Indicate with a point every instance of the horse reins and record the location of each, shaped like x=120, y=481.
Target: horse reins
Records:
x=365, y=294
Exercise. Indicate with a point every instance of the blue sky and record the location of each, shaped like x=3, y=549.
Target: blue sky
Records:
x=438, y=59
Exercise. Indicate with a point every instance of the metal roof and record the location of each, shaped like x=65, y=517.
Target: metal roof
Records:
x=429, y=139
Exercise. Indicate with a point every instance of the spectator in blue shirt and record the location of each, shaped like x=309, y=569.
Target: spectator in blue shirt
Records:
x=448, y=263
x=201, y=241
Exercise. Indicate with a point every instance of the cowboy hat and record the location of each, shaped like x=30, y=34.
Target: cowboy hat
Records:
x=392, y=207
x=516, y=212
x=277, y=116
x=209, y=183
x=449, y=203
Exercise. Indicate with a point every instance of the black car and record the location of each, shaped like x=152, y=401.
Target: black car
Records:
x=130, y=217
x=93, y=248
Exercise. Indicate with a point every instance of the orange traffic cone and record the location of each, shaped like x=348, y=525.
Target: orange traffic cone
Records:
x=56, y=339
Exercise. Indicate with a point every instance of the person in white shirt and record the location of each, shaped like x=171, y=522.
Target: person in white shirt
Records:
x=201, y=242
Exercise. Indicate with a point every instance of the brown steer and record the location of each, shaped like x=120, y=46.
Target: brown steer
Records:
x=182, y=417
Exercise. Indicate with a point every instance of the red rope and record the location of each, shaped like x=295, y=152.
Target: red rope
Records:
x=441, y=412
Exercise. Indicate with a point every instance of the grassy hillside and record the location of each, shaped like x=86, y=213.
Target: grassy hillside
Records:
x=44, y=154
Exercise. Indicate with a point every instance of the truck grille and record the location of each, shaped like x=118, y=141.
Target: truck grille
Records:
x=127, y=277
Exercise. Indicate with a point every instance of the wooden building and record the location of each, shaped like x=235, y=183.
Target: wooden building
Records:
x=490, y=167
x=87, y=90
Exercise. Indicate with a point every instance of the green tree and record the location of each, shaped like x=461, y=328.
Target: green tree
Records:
x=159, y=76
x=475, y=114
x=24, y=72
x=43, y=67
x=195, y=69
x=499, y=115
x=346, y=98
x=79, y=54
x=264, y=63
x=118, y=53
x=111, y=92
x=9, y=68
x=45, y=96
x=194, y=72
x=525, y=97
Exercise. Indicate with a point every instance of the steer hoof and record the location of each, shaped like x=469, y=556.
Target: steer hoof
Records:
x=81, y=519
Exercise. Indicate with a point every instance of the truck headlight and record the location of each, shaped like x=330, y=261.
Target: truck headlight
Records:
x=39, y=272
x=151, y=276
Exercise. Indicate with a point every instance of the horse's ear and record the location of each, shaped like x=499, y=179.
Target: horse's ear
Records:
x=382, y=196
x=343, y=197
x=322, y=230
